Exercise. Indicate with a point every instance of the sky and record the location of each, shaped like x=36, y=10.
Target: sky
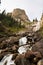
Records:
x=33, y=8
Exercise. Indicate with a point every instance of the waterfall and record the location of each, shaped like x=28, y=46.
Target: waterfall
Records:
x=37, y=27
x=7, y=59
x=22, y=41
x=23, y=48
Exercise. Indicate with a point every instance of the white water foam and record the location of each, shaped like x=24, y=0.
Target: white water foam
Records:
x=23, y=48
x=22, y=41
x=37, y=27
x=8, y=59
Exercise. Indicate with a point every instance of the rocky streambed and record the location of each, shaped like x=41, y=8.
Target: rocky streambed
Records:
x=21, y=49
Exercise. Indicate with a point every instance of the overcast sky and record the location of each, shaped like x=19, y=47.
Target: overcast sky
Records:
x=33, y=8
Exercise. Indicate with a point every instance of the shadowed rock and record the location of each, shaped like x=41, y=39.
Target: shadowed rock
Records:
x=40, y=62
x=9, y=42
x=38, y=47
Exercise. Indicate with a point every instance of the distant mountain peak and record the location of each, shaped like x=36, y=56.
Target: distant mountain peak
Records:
x=19, y=14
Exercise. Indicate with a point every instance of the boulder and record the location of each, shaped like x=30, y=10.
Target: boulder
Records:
x=38, y=47
x=9, y=42
x=40, y=62
x=19, y=14
x=21, y=60
x=28, y=58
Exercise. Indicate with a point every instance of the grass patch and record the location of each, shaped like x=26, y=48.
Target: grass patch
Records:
x=16, y=29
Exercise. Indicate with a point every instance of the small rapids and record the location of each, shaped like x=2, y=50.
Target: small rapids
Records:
x=23, y=48
x=22, y=41
x=7, y=60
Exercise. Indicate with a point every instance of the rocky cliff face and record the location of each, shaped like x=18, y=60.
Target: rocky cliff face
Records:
x=20, y=16
x=9, y=44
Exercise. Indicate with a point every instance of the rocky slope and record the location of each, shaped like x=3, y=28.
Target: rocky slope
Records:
x=9, y=44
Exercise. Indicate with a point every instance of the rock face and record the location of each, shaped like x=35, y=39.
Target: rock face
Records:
x=11, y=44
x=27, y=58
x=19, y=15
x=38, y=47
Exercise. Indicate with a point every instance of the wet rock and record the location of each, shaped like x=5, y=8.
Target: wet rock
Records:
x=37, y=57
x=13, y=49
x=38, y=47
x=21, y=60
x=28, y=58
x=37, y=37
x=28, y=54
x=9, y=42
x=14, y=56
x=33, y=57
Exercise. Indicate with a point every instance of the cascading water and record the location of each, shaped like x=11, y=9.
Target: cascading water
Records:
x=23, y=47
x=22, y=41
x=7, y=60
x=37, y=27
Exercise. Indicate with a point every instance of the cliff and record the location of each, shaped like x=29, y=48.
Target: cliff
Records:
x=19, y=15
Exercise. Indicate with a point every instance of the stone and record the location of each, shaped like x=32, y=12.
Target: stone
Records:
x=40, y=62
x=38, y=47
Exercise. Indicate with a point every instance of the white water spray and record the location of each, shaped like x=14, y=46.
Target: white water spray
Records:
x=7, y=59
x=22, y=41
x=23, y=48
x=37, y=27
